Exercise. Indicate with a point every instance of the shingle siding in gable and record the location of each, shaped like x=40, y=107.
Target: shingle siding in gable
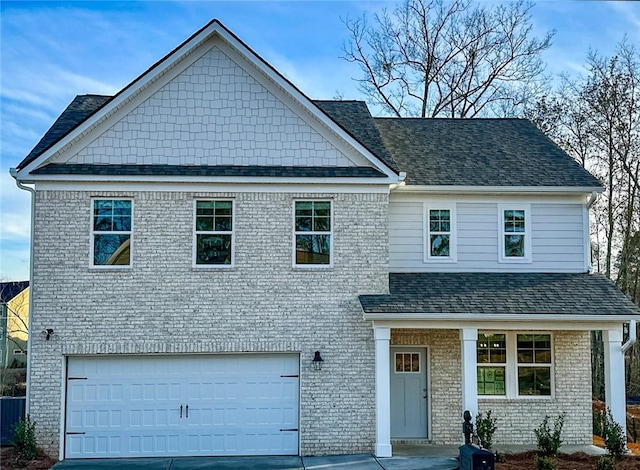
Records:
x=161, y=305
x=213, y=113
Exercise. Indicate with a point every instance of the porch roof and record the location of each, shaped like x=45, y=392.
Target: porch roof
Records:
x=565, y=294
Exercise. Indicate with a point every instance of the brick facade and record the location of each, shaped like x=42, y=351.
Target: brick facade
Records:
x=163, y=305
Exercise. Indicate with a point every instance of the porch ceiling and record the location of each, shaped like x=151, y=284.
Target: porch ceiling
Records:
x=567, y=295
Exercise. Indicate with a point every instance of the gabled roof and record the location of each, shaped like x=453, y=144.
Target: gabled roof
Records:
x=479, y=152
x=8, y=290
x=489, y=294
x=86, y=113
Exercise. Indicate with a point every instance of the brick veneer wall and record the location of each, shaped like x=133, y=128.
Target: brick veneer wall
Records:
x=163, y=305
x=517, y=418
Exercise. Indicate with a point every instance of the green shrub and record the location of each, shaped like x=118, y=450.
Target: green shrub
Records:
x=485, y=429
x=614, y=439
x=549, y=441
x=545, y=462
x=606, y=462
x=24, y=438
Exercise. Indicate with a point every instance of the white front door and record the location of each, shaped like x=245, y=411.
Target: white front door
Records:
x=409, y=395
x=189, y=405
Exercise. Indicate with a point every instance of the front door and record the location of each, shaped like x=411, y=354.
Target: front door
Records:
x=409, y=419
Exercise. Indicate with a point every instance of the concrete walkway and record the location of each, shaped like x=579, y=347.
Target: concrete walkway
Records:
x=406, y=457
x=335, y=462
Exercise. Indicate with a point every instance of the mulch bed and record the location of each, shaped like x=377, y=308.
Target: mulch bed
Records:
x=578, y=461
x=9, y=460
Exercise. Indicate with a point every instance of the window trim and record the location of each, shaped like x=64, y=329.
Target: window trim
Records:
x=194, y=253
x=92, y=234
x=512, y=365
x=426, y=232
x=527, y=258
x=331, y=234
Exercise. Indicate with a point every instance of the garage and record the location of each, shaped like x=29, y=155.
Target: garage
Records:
x=187, y=405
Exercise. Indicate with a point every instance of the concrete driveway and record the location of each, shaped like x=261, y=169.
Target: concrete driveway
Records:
x=337, y=462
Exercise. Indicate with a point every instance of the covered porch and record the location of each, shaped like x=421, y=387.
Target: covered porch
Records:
x=516, y=344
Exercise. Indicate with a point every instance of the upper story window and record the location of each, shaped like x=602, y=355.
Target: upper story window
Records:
x=515, y=233
x=440, y=231
x=111, y=226
x=313, y=233
x=514, y=364
x=213, y=241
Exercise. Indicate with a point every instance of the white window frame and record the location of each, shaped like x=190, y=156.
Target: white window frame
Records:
x=453, y=241
x=512, y=365
x=194, y=256
x=527, y=258
x=93, y=233
x=330, y=233
x=395, y=355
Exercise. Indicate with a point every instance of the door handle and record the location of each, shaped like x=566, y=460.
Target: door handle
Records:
x=181, y=411
x=187, y=411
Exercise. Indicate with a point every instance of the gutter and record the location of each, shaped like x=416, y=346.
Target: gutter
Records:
x=14, y=173
x=633, y=336
x=401, y=181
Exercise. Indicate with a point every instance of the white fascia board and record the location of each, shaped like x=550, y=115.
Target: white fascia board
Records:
x=214, y=187
x=576, y=320
x=455, y=189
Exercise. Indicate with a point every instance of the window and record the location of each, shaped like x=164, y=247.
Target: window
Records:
x=313, y=233
x=515, y=234
x=213, y=243
x=439, y=241
x=111, y=232
x=514, y=364
x=408, y=362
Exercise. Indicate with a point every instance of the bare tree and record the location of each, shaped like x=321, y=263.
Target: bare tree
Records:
x=438, y=58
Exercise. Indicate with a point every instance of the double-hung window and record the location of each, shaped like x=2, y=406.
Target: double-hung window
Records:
x=111, y=228
x=213, y=241
x=514, y=364
x=515, y=233
x=313, y=233
x=439, y=233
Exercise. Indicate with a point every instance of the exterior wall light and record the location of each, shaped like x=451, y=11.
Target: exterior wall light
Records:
x=317, y=361
x=47, y=333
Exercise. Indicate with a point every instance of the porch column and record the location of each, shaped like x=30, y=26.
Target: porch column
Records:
x=469, y=339
x=383, y=392
x=615, y=395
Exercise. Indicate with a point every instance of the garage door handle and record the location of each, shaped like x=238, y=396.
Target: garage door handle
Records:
x=187, y=411
x=181, y=411
x=289, y=430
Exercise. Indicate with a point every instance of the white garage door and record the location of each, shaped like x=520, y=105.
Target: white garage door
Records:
x=140, y=406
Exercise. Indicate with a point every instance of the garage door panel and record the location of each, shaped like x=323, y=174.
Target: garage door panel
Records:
x=130, y=406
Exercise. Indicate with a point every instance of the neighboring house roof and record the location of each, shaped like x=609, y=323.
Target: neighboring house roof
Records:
x=8, y=290
x=479, y=152
x=500, y=293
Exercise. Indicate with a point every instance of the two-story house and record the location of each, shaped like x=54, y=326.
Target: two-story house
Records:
x=228, y=267
x=14, y=322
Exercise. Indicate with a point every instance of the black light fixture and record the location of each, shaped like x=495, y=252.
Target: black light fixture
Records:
x=317, y=361
x=47, y=333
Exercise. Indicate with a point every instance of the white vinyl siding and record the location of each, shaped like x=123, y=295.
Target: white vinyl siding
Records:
x=557, y=238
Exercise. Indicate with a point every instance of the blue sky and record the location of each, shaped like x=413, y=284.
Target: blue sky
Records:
x=52, y=51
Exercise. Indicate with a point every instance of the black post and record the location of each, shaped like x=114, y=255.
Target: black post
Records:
x=467, y=427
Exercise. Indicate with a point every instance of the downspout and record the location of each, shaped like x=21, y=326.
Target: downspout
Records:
x=13, y=172
x=592, y=200
x=401, y=176
x=633, y=336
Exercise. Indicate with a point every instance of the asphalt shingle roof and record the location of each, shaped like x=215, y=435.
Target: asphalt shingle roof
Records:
x=500, y=293
x=218, y=170
x=354, y=117
x=479, y=152
x=467, y=152
x=77, y=112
